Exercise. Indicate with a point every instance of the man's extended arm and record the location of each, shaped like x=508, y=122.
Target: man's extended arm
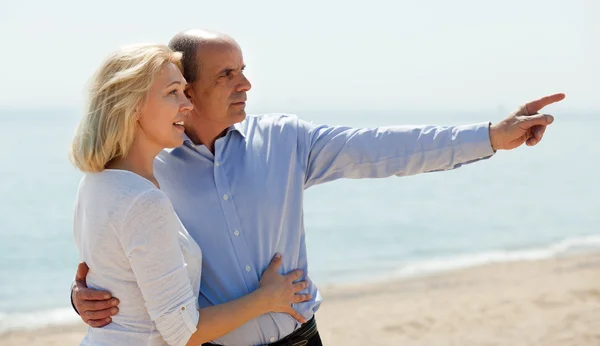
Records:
x=331, y=153
x=342, y=152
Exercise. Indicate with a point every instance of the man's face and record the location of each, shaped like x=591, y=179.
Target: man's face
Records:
x=219, y=92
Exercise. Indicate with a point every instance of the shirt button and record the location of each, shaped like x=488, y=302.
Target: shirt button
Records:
x=236, y=232
x=217, y=163
x=272, y=339
x=247, y=268
x=225, y=197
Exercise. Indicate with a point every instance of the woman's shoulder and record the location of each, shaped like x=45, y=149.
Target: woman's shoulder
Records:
x=119, y=191
x=116, y=181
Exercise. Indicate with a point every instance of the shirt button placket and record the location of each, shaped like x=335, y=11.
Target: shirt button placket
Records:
x=225, y=197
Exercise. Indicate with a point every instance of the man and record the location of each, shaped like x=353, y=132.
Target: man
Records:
x=237, y=182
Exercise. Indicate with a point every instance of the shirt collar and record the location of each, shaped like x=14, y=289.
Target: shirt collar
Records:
x=238, y=127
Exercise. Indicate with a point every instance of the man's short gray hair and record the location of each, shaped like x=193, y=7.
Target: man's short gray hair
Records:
x=188, y=46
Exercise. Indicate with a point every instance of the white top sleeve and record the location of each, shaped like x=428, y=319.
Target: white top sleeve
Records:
x=149, y=237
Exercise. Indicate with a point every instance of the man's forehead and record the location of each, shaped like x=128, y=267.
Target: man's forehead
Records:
x=216, y=55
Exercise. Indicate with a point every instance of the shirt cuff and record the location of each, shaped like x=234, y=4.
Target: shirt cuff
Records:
x=474, y=141
x=178, y=326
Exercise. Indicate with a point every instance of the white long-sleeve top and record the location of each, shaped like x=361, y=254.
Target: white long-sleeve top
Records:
x=135, y=246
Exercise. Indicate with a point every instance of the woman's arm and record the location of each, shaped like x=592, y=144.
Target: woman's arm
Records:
x=149, y=236
x=275, y=293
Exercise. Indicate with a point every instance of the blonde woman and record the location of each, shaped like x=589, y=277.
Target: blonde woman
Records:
x=125, y=227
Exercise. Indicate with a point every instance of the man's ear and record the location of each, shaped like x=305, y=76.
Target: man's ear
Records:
x=188, y=91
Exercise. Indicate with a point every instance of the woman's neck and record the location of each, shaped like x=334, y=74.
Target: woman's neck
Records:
x=139, y=160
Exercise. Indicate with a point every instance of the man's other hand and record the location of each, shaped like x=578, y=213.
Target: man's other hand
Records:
x=94, y=306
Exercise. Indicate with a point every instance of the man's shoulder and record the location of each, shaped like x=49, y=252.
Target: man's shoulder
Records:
x=166, y=155
x=279, y=122
x=269, y=119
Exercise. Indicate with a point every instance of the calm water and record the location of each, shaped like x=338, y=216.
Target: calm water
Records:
x=528, y=203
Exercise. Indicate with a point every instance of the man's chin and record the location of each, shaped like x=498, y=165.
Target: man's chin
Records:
x=240, y=115
x=236, y=115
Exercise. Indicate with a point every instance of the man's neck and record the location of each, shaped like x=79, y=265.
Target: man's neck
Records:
x=206, y=134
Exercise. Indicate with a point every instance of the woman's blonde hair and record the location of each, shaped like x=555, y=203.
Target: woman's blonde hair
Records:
x=118, y=90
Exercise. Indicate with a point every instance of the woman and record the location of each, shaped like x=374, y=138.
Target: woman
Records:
x=125, y=227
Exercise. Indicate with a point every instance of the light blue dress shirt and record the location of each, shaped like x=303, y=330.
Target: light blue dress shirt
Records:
x=244, y=203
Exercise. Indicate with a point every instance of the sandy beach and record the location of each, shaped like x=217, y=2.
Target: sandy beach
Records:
x=549, y=302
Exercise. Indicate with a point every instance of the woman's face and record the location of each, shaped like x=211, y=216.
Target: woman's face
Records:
x=161, y=119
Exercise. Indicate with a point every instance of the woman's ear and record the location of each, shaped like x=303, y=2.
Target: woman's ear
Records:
x=138, y=112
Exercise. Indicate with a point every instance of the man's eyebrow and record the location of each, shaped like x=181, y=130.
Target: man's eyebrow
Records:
x=227, y=69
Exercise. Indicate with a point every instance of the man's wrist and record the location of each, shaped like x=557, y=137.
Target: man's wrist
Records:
x=492, y=134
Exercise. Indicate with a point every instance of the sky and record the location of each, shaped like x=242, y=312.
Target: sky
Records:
x=327, y=54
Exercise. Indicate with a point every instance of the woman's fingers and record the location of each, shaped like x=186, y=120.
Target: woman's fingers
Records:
x=299, y=298
x=295, y=315
x=299, y=286
x=294, y=275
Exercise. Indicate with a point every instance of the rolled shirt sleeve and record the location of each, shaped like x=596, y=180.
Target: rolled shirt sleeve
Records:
x=334, y=152
x=150, y=239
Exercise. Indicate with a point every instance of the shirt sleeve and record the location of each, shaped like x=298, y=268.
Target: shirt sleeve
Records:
x=149, y=237
x=333, y=152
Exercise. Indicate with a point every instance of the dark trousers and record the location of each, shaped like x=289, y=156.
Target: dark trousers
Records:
x=314, y=341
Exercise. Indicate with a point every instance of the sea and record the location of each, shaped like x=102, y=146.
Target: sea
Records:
x=526, y=204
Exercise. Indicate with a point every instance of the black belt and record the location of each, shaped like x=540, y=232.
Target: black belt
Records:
x=299, y=337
